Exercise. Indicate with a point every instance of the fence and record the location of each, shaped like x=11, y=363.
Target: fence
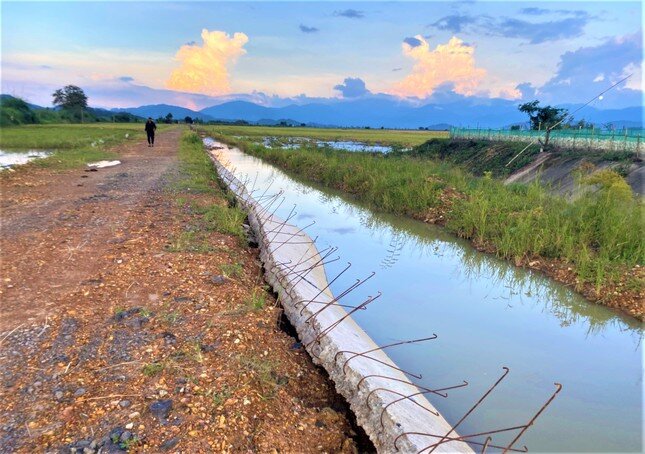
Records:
x=590, y=139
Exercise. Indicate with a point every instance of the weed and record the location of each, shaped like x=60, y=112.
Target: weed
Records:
x=190, y=241
x=220, y=396
x=232, y=270
x=256, y=301
x=145, y=312
x=171, y=317
x=152, y=369
x=264, y=373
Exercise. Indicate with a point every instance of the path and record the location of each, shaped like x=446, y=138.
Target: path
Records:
x=110, y=342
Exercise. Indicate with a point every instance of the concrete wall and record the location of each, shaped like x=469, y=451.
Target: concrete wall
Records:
x=285, y=265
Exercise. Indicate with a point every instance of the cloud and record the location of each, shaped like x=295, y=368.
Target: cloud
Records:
x=453, y=62
x=126, y=79
x=533, y=32
x=306, y=29
x=350, y=13
x=352, y=87
x=454, y=23
x=578, y=77
x=534, y=11
x=205, y=69
x=412, y=42
x=540, y=32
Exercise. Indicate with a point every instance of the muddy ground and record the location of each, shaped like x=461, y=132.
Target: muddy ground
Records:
x=112, y=340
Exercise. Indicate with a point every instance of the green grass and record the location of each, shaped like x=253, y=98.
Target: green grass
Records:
x=152, y=369
x=381, y=136
x=197, y=176
x=599, y=233
x=72, y=145
x=232, y=270
x=256, y=301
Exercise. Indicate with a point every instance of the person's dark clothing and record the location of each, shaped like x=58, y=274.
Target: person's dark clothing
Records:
x=150, y=131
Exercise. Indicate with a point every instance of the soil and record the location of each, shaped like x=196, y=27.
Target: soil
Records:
x=110, y=342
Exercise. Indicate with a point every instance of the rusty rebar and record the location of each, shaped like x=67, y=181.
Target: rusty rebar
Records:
x=362, y=354
x=481, y=399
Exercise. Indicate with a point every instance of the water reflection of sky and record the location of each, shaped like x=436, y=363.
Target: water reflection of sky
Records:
x=487, y=313
x=291, y=143
x=14, y=158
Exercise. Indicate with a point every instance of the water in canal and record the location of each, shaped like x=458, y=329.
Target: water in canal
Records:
x=487, y=314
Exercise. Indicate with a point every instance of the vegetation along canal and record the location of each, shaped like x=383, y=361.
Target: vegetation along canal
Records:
x=486, y=313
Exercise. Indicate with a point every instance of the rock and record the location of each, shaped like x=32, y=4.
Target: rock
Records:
x=169, y=444
x=161, y=409
x=218, y=279
x=129, y=425
x=181, y=299
x=169, y=337
x=79, y=392
x=126, y=435
x=58, y=395
x=124, y=403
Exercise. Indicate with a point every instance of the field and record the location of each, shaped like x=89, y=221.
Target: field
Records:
x=404, y=138
x=597, y=235
x=73, y=145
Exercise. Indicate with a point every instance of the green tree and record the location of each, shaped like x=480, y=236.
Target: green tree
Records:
x=168, y=118
x=188, y=120
x=544, y=118
x=71, y=98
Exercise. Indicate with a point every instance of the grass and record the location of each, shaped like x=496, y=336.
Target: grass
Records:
x=198, y=177
x=152, y=369
x=72, y=145
x=599, y=233
x=373, y=136
x=256, y=301
x=232, y=270
x=264, y=373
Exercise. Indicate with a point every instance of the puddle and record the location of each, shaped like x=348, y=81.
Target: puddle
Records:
x=291, y=143
x=9, y=159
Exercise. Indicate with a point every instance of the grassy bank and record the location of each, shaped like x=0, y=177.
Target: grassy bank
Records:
x=404, y=138
x=198, y=179
x=72, y=145
x=598, y=235
x=482, y=156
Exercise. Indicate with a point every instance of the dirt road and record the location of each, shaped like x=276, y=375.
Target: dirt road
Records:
x=110, y=342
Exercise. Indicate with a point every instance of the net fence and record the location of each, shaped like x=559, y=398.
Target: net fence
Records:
x=590, y=139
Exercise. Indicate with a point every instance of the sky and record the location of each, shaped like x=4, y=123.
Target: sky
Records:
x=197, y=54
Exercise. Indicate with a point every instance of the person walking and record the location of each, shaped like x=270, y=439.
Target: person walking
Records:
x=150, y=131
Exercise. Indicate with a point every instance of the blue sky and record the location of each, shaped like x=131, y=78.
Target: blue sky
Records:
x=128, y=53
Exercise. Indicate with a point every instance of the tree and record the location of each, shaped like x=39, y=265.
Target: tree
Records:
x=168, y=118
x=544, y=118
x=71, y=98
x=188, y=120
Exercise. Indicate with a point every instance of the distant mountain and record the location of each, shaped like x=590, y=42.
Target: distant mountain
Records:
x=375, y=112
x=161, y=110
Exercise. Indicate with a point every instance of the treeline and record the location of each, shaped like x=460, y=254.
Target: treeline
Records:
x=15, y=111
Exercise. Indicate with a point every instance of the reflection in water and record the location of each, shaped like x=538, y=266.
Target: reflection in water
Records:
x=487, y=313
x=292, y=143
x=10, y=159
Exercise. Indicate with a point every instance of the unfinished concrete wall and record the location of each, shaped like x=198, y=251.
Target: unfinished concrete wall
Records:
x=287, y=254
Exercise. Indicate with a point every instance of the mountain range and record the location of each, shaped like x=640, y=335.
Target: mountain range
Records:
x=387, y=112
